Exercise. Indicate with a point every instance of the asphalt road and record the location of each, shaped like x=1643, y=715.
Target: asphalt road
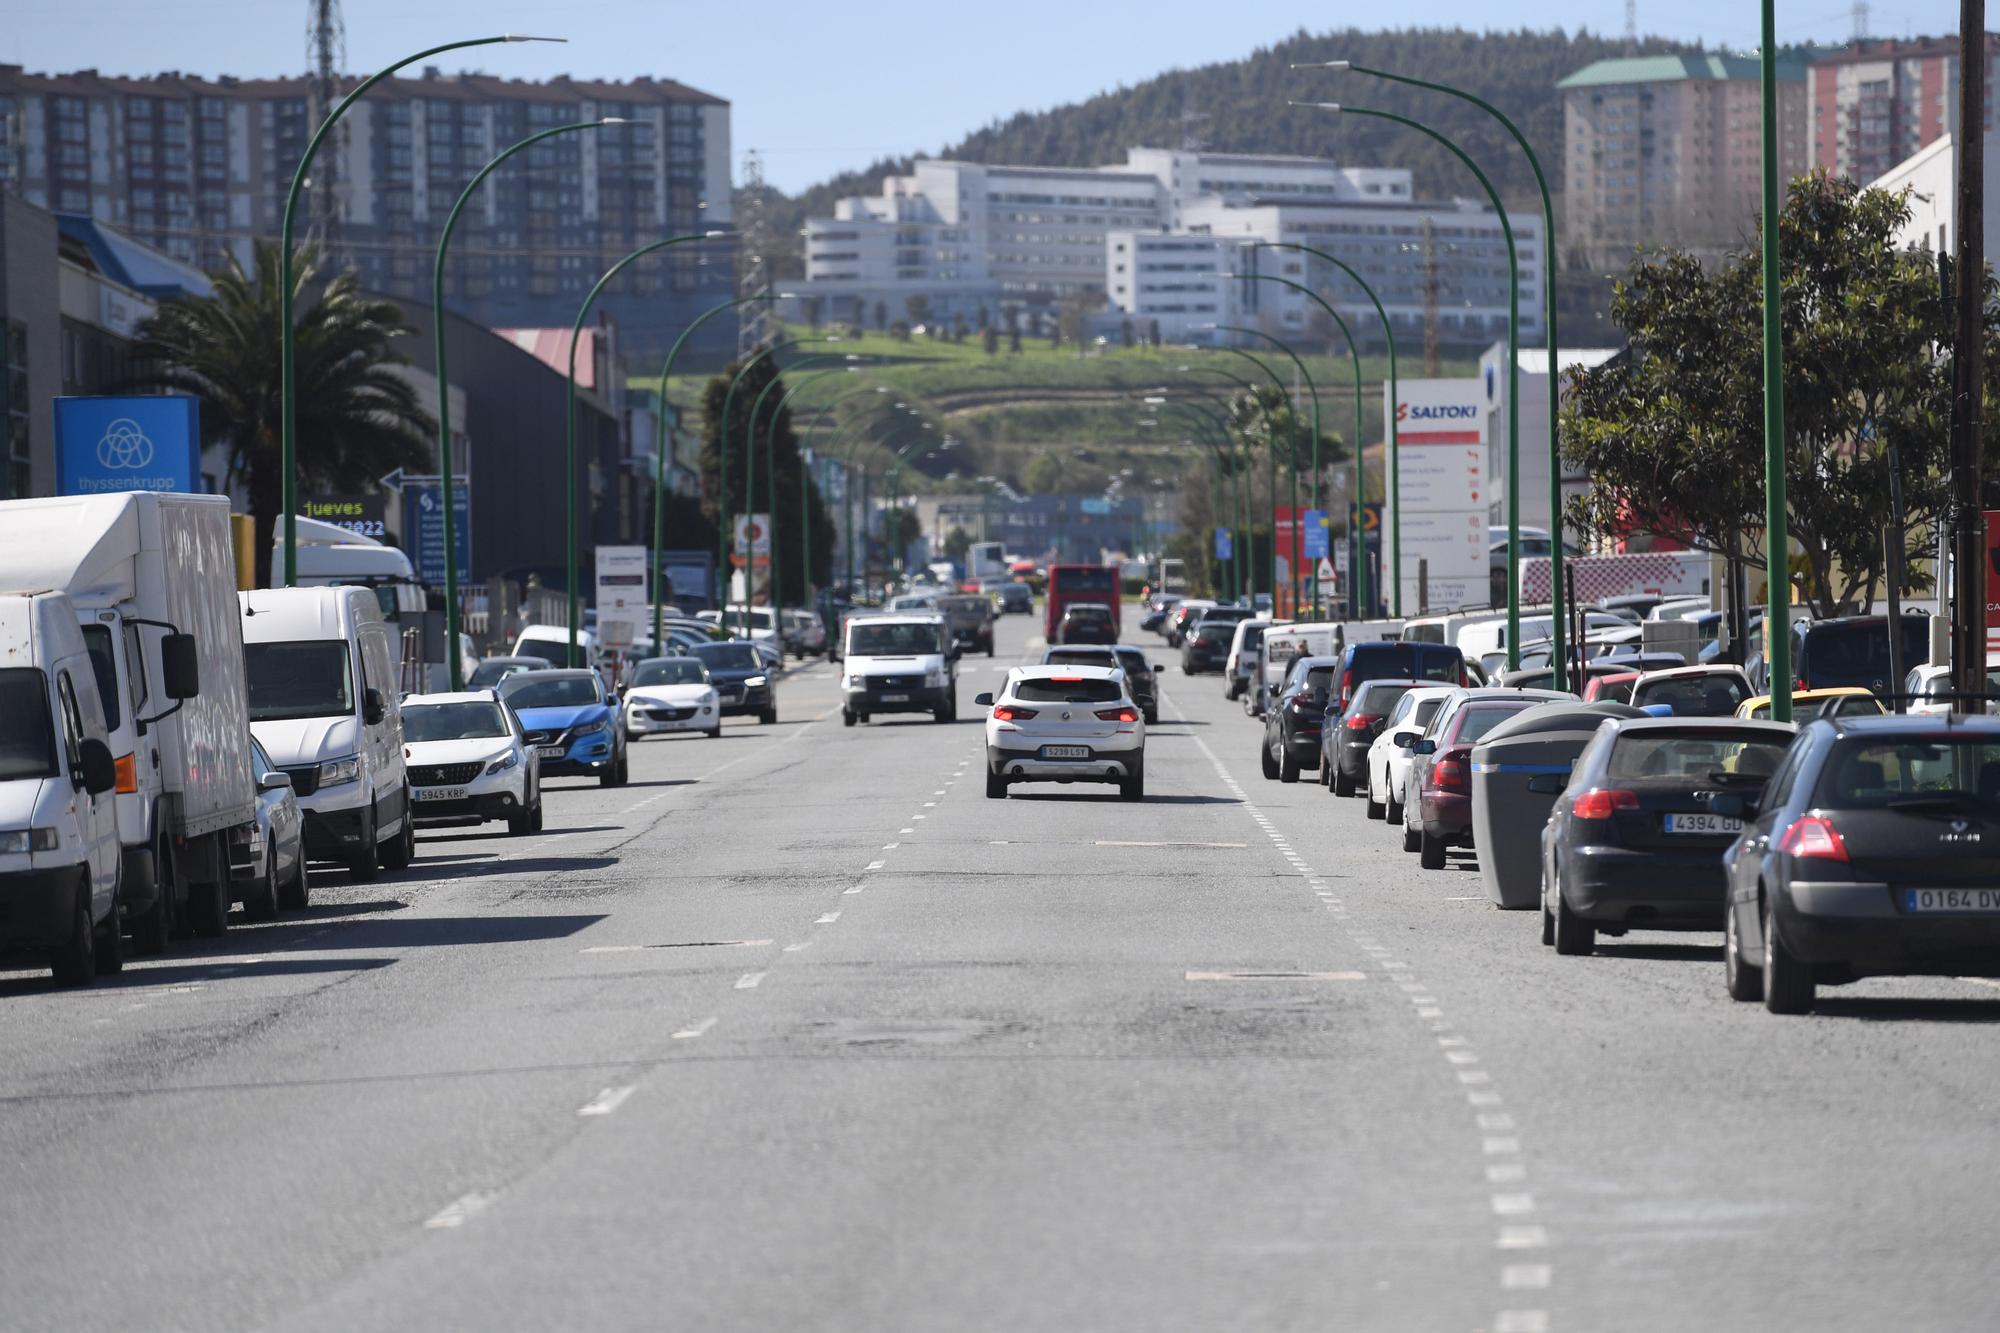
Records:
x=800, y=1031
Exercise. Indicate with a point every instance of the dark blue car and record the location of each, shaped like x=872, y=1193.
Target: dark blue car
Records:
x=572, y=722
x=741, y=677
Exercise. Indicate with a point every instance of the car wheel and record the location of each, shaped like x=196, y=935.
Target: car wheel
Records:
x=261, y=904
x=399, y=853
x=1288, y=767
x=1430, y=851
x=1574, y=936
x=1343, y=782
x=521, y=824
x=768, y=717
x=1392, y=812
x=108, y=943
x=1413, y=839
x=846, y=718
x=1743, y=980
x=295, y=894
x=366, y=864
x=74, y=962
x=996, y=786
x=1375, y=807
x=153, y=930
x=1788, y=983
x=946, y=711
x=208, y=909
x=1270, y=763
x=1152, y=717
x=862, y=718
x=1548, y=925
x=1133, y=788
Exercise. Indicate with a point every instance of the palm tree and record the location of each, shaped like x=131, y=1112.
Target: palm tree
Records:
x=358, y=417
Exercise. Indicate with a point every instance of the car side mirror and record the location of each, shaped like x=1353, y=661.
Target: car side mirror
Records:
x=99, y=773
x=1403, y=740
x=273, y=781
x=1547, y=784
x=1423, y=745
x=180, y=666
x=983, y=700
x=1730, y=805
x=373, y=707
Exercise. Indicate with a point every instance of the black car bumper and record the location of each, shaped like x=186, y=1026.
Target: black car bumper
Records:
x=1863, y=927
x=1302, y=747
x=494, y=805
x=334, y=834
x=754, y=699
x=1654, y=889
x=38, y=907
x=1195, y=659
x=902, y=699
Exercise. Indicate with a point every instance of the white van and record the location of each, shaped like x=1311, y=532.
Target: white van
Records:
x=902, y=663
x=325, y=706
x=59, y=851
x=551, y=642
x=330, y=555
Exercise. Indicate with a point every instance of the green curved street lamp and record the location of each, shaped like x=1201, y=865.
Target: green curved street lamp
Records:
x=1221, y=446
x=1313, y=389
x=1237, y=469
x=1556, y=592
x=569, y=416
x=1513, y=359
x=1395, y=468
x=771, y=468
x=288, y=333
x=454, y=666
x=1271, y=433
x=660, y=458
x=840, y=436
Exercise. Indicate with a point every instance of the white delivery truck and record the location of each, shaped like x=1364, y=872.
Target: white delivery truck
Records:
x=152, y=578
x=58, y=813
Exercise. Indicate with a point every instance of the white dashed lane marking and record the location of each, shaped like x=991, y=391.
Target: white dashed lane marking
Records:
x=604, y=1103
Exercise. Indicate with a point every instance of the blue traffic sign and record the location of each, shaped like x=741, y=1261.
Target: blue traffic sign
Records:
x=1225, y=545
x=128, y=444
x=1315, y=535
x=423, y=526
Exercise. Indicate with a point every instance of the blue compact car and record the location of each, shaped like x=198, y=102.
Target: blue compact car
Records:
x=571, y=721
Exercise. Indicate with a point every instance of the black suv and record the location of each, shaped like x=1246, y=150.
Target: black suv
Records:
x=1292, y=725
x=1139, y=678
x=1346, y=737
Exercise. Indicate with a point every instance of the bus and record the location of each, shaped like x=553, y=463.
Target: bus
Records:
x=1070, y=584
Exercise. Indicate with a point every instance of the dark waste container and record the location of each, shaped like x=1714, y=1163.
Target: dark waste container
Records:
x=1507, y=817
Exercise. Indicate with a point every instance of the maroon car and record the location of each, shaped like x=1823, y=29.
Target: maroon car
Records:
x=1438, y=800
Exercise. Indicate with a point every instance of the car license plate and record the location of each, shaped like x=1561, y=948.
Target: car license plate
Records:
x=1703, y=823
x=895, y=698
x=1951, y=900
x=1065, y=752
x=550, y=751
x=440, y=793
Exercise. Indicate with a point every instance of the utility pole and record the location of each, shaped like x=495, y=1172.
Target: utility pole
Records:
x=326, y=48
x=1968, y=527
x=754, y=272
x=1432, y=363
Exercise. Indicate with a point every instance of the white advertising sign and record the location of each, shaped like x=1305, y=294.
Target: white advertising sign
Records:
x=622, y=602
x=753, y=536
x=1439, y=504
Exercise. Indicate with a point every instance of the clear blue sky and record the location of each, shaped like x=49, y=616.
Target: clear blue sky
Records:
x=822, y=87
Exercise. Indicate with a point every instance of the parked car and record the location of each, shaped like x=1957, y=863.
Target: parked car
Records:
x=551, y=643
x=1873, y=851
x=805, y=635
x=1206, y=646
x=1437, y=796
x=1389, y=755
x=1350, y=733
x=1635, y=841
x=1850, y=650
x=669, y=695
x=1612, y=687
x=1066, y=723
x=1694, y=691
x=1139, y=676
x=742, y=679
x=1184, y=617
x=572, y=722
x=1016, y=599
x=492, y=670
x=469, y=758
x=1292, y=724
x=277, y=873
x=1929, y=689
x=1808, y=705
x=969, y=617
x=1157, y=608
x=1087, y=622
x=1239, y=666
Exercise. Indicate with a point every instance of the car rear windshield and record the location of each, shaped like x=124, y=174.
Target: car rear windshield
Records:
x=964, y=605
x=1856, y=654
x=307, y=678
x=27, y=736
x=453, y=722
x=731, y=656
x=534, y=690
x=1704, y=756
x=1215, y=631
x=1087, y=611
x=555, y=650
x=1962, y=770
x=679, y=671
x=1133, y=661
x=1426, y=710
x=912, y=640
x=1377, y=700
x=1694, y=696
x=1477, y=719
x=1098, y=657
x=1059, y=690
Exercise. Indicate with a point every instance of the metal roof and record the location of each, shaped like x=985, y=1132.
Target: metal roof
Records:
x=1677, y=69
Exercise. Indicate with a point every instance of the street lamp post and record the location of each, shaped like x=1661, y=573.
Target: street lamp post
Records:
x=1361, y=601
x=1556, y=593
x=569, y=419
x=1395, y=467
x=1203, y=416
x=771, y=465
x=660, y=457
x=846, y=490
x=288, y=334
x=1313, y=389
x=1513, y=360
x=1778, y=609
x=454, y=667
x=1271, y=431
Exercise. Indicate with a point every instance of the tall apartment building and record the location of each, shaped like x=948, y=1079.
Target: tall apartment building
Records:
x=200, y=168
x=1668, y=150
x=1876, y=103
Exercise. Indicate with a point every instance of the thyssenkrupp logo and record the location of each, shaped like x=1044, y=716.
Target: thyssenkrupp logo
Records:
x=124, y=445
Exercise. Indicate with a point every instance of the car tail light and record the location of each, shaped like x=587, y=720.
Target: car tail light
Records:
x=1602, y=803
x=1346, y=687
x=1118, y=714
x=1011, y=713
x=1813, y=837
x=1452, y=771
x=1361, y=722
x=127, y=772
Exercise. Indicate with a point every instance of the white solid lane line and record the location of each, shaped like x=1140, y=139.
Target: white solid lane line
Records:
x=688, y=1033
x=604, y=1103
x=458, y=1212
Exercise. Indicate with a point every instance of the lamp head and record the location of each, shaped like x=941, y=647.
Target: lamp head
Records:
x=614, y=120
x=1334, y=107
x=1324, y=64
x=713, y=235
x=523, y=37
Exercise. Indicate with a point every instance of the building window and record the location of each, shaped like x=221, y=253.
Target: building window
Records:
x=15, y=478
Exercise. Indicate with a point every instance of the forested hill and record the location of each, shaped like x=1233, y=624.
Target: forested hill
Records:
x=1240, y=106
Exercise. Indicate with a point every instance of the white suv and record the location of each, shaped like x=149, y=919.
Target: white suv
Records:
x=468, y=759
x=1065, y=723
